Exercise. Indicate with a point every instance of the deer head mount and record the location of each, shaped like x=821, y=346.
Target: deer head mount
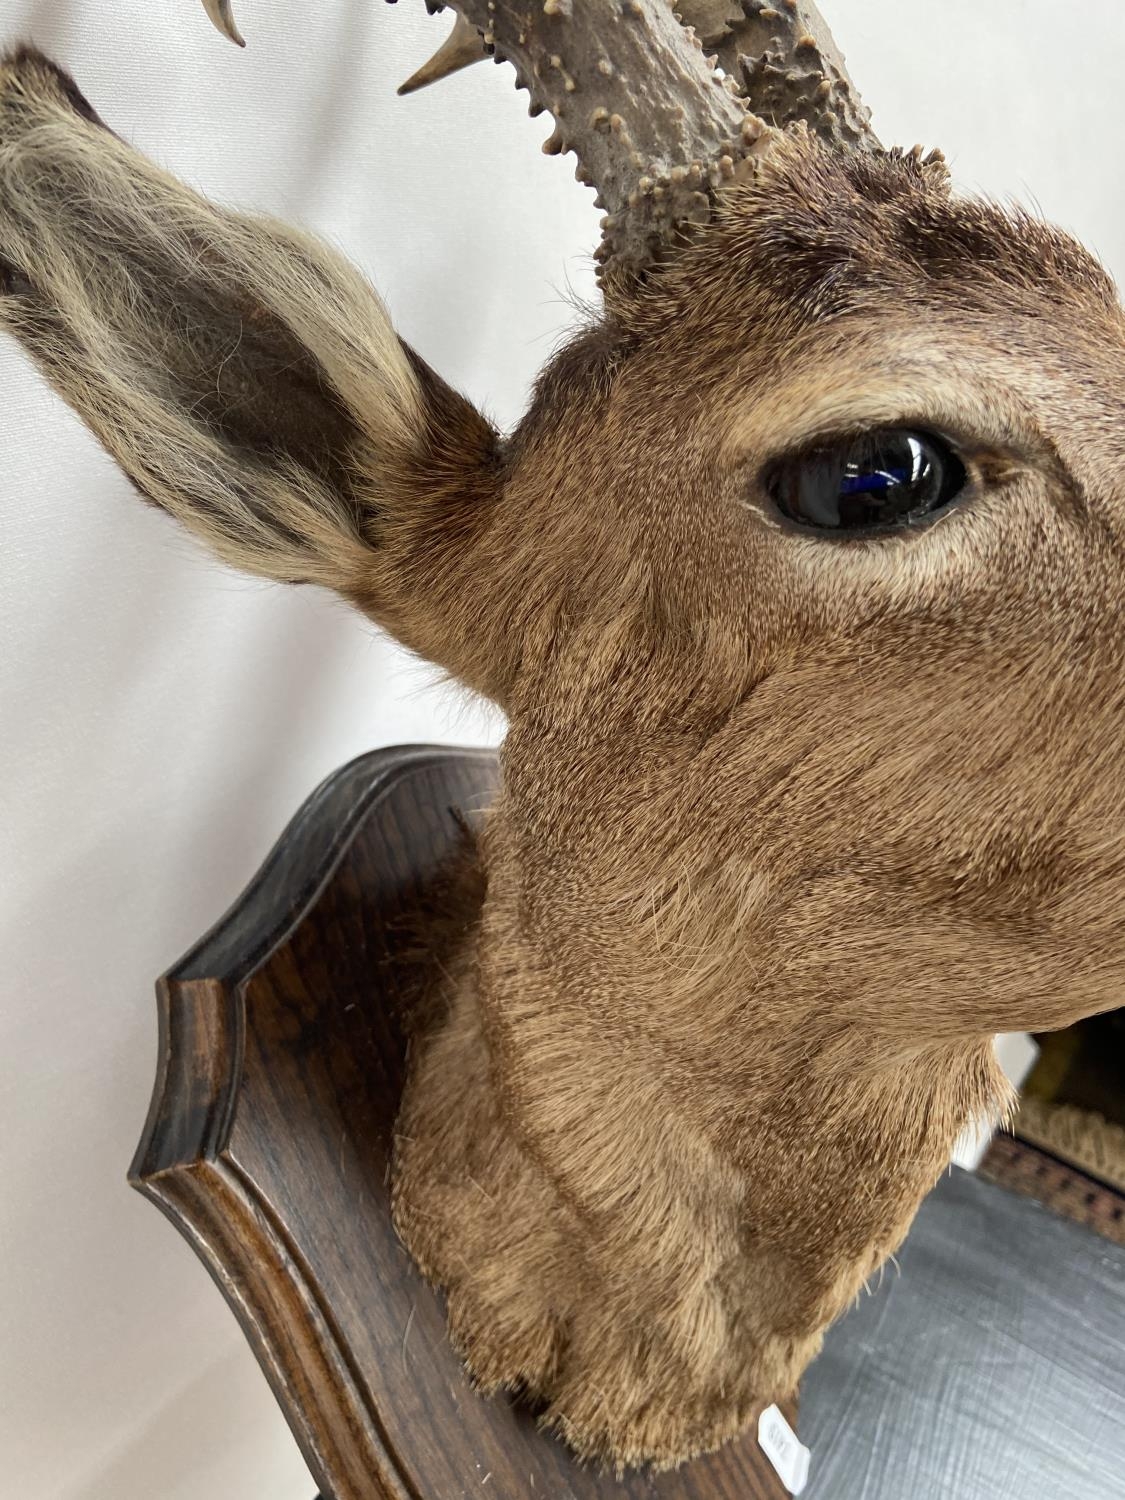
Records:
x=800, y=582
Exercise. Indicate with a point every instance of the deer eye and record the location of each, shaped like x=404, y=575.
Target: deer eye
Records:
x=891, y=477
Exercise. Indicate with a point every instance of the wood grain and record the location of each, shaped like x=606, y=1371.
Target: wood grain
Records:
x=268, y=1141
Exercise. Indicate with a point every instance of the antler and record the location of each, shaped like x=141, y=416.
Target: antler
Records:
x=781, y=58
x=655, y=130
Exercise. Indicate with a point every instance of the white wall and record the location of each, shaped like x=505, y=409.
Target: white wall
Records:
x=160, y=717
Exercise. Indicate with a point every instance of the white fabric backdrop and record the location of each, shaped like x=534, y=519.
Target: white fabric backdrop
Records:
x=162, y=717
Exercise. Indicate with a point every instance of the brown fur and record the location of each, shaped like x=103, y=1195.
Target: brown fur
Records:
x=789, y=826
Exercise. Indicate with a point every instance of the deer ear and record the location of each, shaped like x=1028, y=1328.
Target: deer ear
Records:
x=246, y=378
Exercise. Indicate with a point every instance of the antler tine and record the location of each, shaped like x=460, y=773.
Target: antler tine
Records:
x=223, y=16
x=461, y=48
x=781, y=56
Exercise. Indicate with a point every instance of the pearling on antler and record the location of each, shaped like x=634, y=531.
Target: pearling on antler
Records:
x=783, y=60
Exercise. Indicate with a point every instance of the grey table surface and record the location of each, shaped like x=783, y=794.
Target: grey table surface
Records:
x=990, y=1366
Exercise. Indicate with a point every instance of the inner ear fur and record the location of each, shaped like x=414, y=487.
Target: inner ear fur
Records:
x=246, y=378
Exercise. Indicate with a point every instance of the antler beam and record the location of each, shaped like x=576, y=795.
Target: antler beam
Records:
x=632, y=95
x=780, y=56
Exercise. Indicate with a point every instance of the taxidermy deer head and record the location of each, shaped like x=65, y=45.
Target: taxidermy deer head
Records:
x=801, y=584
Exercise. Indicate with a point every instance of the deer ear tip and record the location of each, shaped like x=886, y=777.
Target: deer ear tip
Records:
x=27, y=58
x=20, y=57
x=38, y=75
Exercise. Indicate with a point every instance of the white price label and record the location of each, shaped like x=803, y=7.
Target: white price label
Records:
x=782, y=1447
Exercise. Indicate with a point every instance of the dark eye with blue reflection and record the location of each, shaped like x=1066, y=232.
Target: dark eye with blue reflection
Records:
x=892, y=477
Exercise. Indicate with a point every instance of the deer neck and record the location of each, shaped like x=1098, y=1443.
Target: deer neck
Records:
x=613, y=1206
